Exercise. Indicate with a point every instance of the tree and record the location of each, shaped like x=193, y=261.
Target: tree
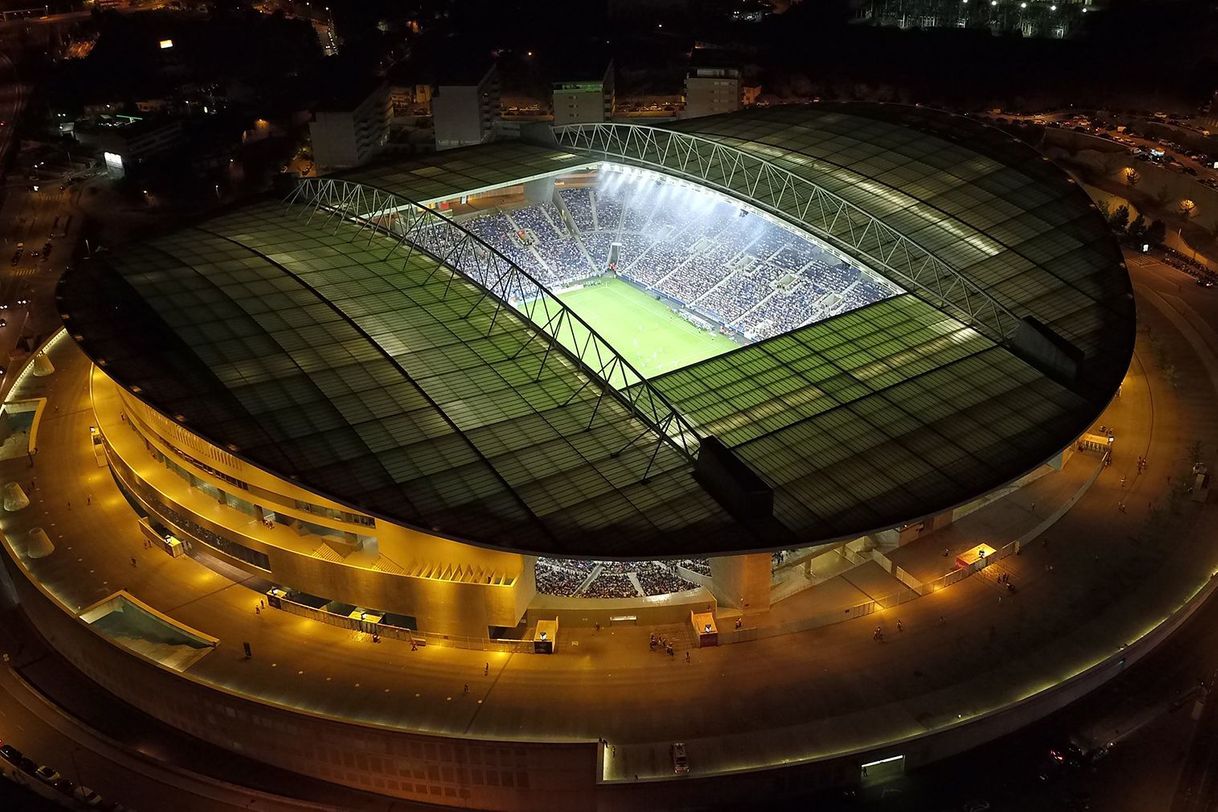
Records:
x=1156, y=232
x=1132, y=178
x=1137, y=229
x=1119, y=218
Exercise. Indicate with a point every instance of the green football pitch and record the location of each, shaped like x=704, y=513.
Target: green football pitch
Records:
x=643, y=329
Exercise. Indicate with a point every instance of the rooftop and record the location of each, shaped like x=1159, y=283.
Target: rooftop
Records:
x=388, y=382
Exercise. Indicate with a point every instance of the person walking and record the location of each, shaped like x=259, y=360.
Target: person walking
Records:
x=486, y=670
x=466, y=688
x=133, y=561
x=900, y=625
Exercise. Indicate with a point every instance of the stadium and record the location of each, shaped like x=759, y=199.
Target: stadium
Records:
x=603, y=376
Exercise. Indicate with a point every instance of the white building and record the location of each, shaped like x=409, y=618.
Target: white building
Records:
x=464, y=109
x=580, y=99
x=711, y=90
x=348, y=132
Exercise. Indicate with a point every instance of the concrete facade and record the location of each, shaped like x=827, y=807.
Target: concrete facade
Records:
x=578, y=101
x=348, y=135
x=465, y=114
x=711, y=91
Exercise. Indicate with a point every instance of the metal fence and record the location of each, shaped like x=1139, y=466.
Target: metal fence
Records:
x=391, y=632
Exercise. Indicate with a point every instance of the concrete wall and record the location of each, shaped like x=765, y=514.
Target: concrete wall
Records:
x=456, y=115
x=711, y=95
x=742, y=581
x=578, y=106
x=653, y=611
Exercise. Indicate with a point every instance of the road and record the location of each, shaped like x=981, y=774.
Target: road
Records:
x=17, y=21
x=1197, y=788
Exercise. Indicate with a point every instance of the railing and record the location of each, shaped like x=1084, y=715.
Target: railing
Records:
x=418, y=229
x=835, y=220
x=385, y=630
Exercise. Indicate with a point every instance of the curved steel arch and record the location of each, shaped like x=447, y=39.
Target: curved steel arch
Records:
x=831, y=218
x=422, y=229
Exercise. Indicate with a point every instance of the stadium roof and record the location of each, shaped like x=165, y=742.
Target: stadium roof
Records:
x=444, y=175
x=989, y=205
x=320, y=354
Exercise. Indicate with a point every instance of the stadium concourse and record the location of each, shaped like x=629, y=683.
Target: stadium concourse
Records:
x=617, y=394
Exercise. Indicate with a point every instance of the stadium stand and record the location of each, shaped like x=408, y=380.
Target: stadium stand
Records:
x=614, y=579
x=736, y=270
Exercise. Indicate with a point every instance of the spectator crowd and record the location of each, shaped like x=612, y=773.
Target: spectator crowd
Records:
x=731, y=267
x=614, y=579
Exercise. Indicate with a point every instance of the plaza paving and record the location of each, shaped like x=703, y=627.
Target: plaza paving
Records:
x=964, y=650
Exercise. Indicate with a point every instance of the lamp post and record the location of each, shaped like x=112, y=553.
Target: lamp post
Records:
x=76, y=765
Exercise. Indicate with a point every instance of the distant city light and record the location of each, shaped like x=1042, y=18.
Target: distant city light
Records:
x=166, y=43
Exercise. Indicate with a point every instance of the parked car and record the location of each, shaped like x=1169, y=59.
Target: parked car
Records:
x=46, y=774
x=10, y=754
x=87, y=796
x=65, y=785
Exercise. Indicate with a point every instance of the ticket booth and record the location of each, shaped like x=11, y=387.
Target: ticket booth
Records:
x=366, y=620
x=974, y=555
x=1100, y=443
x=546, y=637
x=706, y=631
